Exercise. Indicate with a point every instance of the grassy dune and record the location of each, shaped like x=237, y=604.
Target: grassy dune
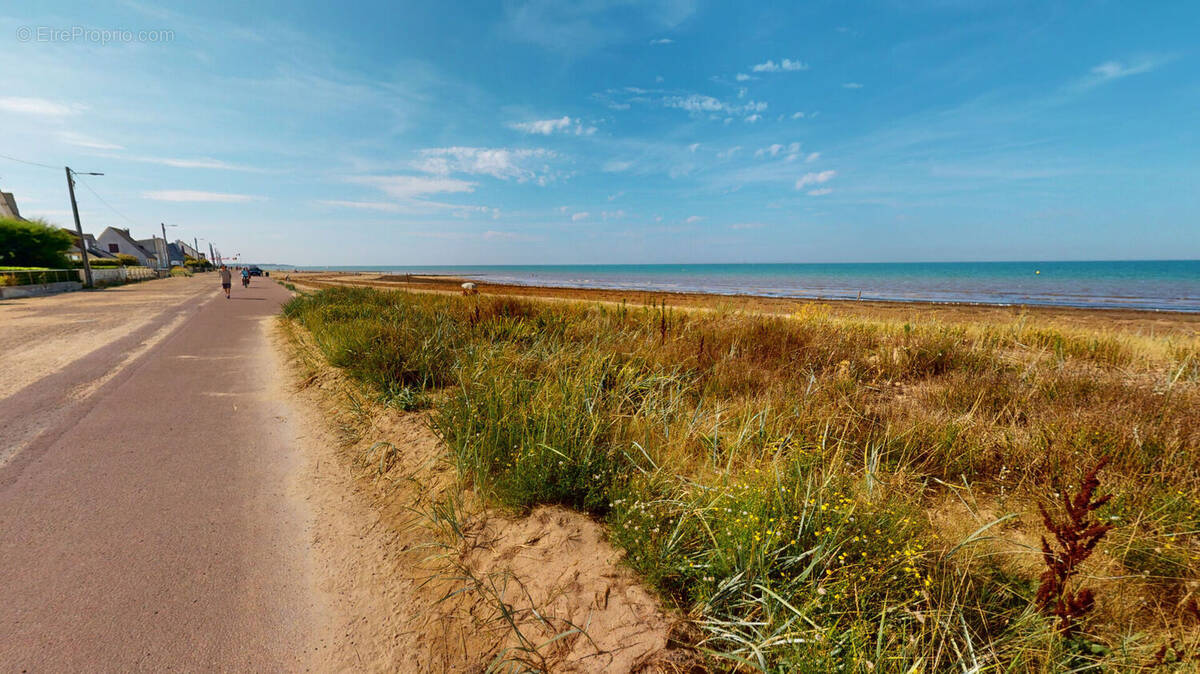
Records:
x=820, y=493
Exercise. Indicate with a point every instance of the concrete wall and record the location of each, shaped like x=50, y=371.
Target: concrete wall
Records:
x=9, y=292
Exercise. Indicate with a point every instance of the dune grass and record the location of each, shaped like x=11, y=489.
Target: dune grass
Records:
x=819, y=493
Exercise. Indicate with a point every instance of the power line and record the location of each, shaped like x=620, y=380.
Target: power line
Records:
x=78, y=180
x=31, y=163
x=110, y=206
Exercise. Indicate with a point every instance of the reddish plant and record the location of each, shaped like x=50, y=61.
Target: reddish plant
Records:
x=1077, y=536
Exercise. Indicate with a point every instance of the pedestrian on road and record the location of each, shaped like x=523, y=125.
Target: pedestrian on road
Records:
x=226, y=280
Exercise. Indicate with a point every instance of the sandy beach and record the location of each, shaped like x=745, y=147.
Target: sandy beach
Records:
x=1125, y=320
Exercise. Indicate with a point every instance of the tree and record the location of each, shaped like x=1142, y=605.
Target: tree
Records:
x=33, y=243
x=127, y=260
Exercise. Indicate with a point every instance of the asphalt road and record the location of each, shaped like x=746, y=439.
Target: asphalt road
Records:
x=147, y=524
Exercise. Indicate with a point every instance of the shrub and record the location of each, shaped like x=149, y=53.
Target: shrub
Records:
x=779, y=478
x=33, y=243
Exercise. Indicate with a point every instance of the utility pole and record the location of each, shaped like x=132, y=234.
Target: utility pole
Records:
x=196, y=246
x=87, y=266
x=211, y=258
x=166, y=258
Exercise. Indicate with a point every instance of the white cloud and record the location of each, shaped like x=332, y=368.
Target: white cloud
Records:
x=753, y=118
x=747, y=225
x=544, y=127
x=812, y=157
x=203, y=162
x=730, y=152
x=693, y=219
x=1115, y=70
x=38, y=106
x=547, y=127
x=775, y=149
x=694, y=103
x=494, y=235
x=409, y=187
x=613, y=197
x=198, y=196
x=770, y=150
x=815, y=179
x=617, y=166
x=786, y=65
x=502, y=163
x=1111, y=70
x=852, y=85
x=820, y=192
x=743, y=77
x=387, y=206
x=79, y=140
x=693, y=147
x=797, y=115
x=662, y=40
x=582, y=215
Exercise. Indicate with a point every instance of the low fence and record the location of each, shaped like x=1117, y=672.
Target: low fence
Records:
x=100, y=276
x=37, y=277
x=111, y=275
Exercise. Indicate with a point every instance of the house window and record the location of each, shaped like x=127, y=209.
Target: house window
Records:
x=114, y=248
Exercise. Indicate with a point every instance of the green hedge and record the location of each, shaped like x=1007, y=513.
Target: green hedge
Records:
x=33, y=243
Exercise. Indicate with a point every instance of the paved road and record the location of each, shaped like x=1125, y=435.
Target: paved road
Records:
x=148, y=525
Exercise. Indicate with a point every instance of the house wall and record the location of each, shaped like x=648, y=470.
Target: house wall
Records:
x=108, y=238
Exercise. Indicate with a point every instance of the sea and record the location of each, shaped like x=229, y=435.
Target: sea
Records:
x=1157, y=285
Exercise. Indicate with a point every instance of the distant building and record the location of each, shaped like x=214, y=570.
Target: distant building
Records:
x=116, y=241
x=189, y=250
x=161, y=250
x=8, y=206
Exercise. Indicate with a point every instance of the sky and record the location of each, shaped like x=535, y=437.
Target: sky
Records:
x=613, y=131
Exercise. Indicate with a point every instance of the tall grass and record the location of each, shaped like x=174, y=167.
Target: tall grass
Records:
x=781, y=478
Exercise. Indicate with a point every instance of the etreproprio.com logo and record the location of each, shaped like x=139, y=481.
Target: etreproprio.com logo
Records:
x=100, y=36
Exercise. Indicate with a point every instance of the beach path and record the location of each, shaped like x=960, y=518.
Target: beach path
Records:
x=147, y=516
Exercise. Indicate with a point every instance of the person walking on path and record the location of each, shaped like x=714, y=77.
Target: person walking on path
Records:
x=226, y=280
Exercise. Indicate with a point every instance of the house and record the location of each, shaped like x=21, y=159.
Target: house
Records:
x=116, y=241
x=161, y=250
x=8, y=206
x=89, y=241
x=189, y=250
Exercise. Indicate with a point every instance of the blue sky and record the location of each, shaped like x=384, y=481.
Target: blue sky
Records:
x=607, y=131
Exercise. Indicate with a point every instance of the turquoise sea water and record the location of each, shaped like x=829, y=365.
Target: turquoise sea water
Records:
x=1169, y=285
